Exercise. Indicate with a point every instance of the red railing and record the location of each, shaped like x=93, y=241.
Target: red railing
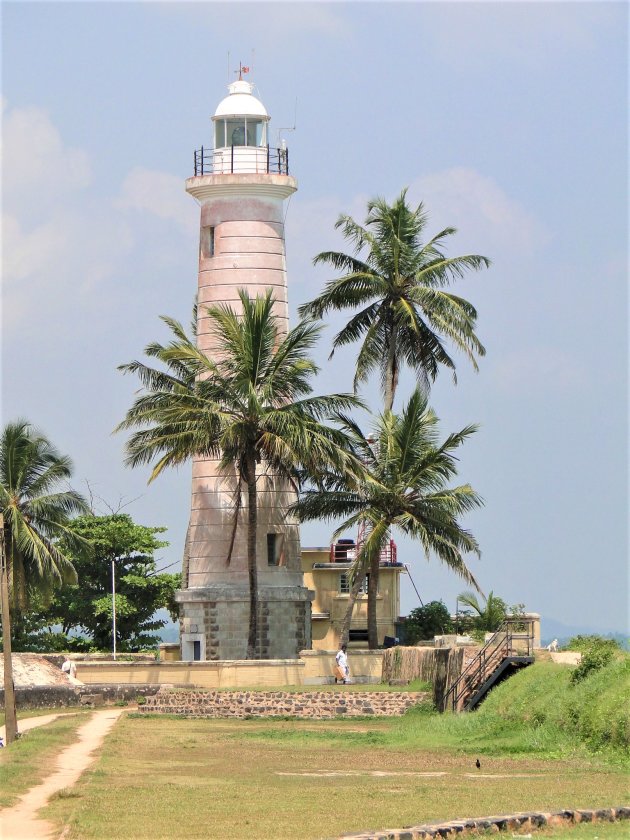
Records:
x=345, y=551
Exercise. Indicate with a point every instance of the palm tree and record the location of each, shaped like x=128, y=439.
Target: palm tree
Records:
x=36, y=512
x=251, y=407
x=488, y=616
x=405, y=315
x=405, y=487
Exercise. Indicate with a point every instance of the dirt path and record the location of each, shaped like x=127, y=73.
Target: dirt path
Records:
x=24, y=724
x=20, y=822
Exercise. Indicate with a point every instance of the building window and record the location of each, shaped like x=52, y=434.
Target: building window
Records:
x=358, y=635
x=196, y=650
x=344, y=584
x=274, y=549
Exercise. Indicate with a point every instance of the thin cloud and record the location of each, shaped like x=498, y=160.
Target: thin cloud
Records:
x=38, y=168
x=483, y=213
x=159, y=194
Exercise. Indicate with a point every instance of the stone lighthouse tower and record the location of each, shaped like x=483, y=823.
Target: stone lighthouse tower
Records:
x=241, y=185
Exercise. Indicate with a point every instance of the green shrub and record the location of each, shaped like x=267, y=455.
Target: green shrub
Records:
x=583, y=643
x=597, y=652
x=428, y=621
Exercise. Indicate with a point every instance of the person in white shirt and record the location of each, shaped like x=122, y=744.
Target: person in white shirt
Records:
x=342, y=664
x=69, y=668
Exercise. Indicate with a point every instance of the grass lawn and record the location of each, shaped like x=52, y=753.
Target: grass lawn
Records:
x=161, y=777
x=31, y=758
x=53, y=710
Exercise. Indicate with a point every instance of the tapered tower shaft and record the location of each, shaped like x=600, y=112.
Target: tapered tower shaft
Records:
x=241, y=186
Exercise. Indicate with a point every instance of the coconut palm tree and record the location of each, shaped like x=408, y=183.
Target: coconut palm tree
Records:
x=251, y=407
x=489, y=615
x=405, y=314
x=36, y=511
x=405, y=487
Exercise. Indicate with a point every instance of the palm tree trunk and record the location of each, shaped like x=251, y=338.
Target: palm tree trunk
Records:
x=10, y=716
x=352, y=599
x=252, y=523
x=391, y=377
x=186, y=559
x=372, y=593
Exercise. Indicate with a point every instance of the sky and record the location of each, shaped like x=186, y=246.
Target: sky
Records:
x=508, y=120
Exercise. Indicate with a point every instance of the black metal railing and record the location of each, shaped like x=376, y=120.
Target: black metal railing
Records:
x=241, y=159
x=515, y=637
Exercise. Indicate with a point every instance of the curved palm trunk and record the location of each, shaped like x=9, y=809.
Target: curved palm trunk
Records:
x=352, y=599
x=9, y=693
x=372, y=593
x=391, y=377
x=252, y=525
x=186, y=559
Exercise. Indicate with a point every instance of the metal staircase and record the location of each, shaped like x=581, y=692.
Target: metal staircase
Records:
x=510, y=648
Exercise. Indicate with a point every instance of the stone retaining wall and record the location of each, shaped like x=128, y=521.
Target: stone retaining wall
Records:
x=55, y=696
x=315, y=704
x=531, y=820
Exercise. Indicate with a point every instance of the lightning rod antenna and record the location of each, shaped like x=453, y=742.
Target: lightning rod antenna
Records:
x=289, y=127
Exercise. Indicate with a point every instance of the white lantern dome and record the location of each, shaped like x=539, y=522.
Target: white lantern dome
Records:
x=240, y=102
x=240, y=119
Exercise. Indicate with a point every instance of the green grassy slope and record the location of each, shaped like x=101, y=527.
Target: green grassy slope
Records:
x=539, y=711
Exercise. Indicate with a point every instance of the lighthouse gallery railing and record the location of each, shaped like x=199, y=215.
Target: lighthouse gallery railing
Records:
x=241, y=159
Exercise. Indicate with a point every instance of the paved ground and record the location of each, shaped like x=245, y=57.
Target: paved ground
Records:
x=20, y=822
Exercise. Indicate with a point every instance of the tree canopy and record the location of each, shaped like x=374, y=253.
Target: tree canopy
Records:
x=406, y=487
x=37, y=506
x=86, y=607
x=397, y=283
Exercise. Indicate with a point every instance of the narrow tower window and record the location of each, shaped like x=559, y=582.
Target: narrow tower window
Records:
x=275, y=543
x=207, y=242
x=271, y=549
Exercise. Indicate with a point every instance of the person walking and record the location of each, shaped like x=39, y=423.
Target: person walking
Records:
x=342, y=668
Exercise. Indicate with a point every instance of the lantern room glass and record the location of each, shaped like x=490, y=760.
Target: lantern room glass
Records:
x=240, y=131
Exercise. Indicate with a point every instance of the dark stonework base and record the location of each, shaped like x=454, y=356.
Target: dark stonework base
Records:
x=214, y=622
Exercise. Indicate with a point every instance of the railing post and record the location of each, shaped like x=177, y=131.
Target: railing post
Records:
x=267, y=158
x=286, y=161
x=232, y=160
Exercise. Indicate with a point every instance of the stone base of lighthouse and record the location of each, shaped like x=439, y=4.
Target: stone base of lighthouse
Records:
x=214, y=622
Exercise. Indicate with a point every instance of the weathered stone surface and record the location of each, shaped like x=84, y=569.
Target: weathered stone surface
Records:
x=55, y=696
x=315, y=704
x=497, y=824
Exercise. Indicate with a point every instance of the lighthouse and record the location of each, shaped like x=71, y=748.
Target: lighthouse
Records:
x=241, y=184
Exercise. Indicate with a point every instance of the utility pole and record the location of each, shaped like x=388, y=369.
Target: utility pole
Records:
x=10, y=717
x=114, y=607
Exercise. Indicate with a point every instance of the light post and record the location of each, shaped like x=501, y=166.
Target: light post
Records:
x=114, y=607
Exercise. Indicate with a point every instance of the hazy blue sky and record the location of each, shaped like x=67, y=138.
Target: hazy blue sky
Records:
x=509, y=120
